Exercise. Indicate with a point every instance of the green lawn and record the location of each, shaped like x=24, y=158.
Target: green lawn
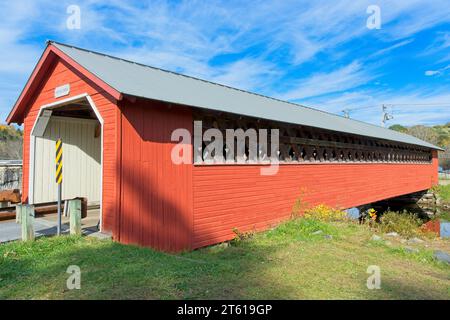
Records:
x=288, y=262
x=444, y=192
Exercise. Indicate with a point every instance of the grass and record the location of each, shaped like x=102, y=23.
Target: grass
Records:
x=288, y=262
x=444, y=192
x=444, y=216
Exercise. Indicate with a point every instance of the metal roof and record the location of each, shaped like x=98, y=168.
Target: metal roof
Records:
x=139, y=80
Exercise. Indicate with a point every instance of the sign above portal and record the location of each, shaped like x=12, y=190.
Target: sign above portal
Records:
x=62, y=90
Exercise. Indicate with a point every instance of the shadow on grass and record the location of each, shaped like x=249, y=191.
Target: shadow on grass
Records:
x=397, y=289
x=114, y=271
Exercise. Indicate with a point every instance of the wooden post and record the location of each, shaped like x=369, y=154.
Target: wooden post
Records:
x=66, y=208
x=75, y=216
x=18, y=213
x=27, y=220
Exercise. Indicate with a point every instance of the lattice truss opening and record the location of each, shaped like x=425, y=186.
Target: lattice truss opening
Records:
x=301, y=144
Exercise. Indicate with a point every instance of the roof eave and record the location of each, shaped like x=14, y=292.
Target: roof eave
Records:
x=45, y=61
x=13, y=116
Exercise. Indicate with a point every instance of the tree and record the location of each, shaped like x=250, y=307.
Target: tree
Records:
x=438, y=135
x=424, y=133
x=399, y=128
x=444, y=158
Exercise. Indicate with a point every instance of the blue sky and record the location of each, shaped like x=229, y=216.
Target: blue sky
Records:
x=317, y=53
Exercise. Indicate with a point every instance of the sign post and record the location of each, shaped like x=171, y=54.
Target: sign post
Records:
x=59, y=180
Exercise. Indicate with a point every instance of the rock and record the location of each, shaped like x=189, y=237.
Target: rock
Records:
x=392, y=234
x=429, y=213
x=376, y=238
x=328, y=236
x=415, y=240
x=411, y=250
x=317, y=232
x=442, y=256
x=403, y=240
x=223, y=245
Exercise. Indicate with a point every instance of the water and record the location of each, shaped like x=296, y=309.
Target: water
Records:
x=445, y=229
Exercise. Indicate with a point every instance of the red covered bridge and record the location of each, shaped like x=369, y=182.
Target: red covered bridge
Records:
x=116, y=119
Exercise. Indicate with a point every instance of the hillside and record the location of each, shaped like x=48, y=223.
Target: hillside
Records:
x=438, y=135
x=10, y=142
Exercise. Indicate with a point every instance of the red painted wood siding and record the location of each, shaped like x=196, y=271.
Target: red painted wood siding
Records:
x=62, y=73
x=227, y=197
x=150, y=201
x=156, y=202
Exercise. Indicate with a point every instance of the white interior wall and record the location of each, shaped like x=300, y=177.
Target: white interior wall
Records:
x=81, y=160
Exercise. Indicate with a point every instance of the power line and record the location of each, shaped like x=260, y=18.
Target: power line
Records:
x=417, y=104
x=363, y=108
x=386, y=116
x=395, y=105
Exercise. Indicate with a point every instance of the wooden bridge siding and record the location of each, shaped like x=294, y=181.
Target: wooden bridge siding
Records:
x=62, y=73
x=237, y=196
x=156, y=200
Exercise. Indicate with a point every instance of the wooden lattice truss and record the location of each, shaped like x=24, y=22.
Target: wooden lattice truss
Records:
x=299, y=144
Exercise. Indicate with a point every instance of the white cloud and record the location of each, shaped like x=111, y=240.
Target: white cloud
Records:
x=440, y=71
x=347, y=77
x=393, y=47
x=246, y=74
x=430, y=73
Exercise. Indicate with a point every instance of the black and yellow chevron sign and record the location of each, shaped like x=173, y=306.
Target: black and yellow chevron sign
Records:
x=58, y=161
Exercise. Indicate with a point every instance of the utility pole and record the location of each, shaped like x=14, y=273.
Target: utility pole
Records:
x=385, y=116
x=346, y=113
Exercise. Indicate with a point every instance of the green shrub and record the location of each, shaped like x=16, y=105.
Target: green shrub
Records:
x=241, y=236
x=404, y=223
x=299, y=205
x=325, y=213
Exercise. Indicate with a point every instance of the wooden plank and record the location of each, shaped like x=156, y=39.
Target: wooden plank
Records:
x=12, y=196
x=18, y=214
x=41, y=210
